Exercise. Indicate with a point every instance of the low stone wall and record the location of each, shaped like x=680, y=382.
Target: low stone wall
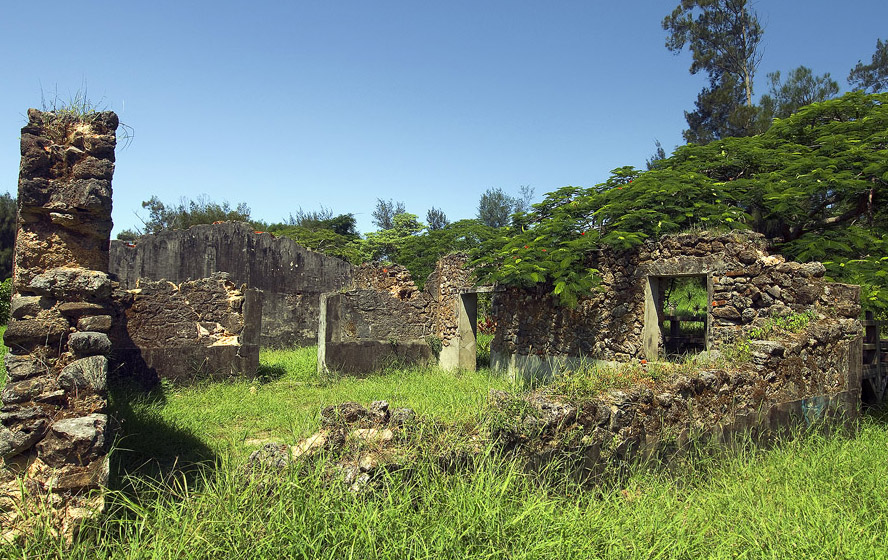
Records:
x=291, y=277
x=803, y=379
x=205, y=328
x=54, y=434
x=619, y=320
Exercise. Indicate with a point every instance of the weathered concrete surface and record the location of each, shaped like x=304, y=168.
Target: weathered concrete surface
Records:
x=290, y=276
x=206, y=328
x=385, y=318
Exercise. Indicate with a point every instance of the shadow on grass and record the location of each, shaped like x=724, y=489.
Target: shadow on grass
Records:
x=877, y=413
x=270, y=372
x=148, y=446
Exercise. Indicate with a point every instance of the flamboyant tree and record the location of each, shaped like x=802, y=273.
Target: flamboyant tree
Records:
x=815, y=184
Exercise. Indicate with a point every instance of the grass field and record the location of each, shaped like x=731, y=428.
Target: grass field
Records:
x=180, y=491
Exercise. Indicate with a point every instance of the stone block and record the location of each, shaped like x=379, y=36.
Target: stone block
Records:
x=27, y=307
x=27, y=389
x=71, y=283
x=74, y=441
x=28, y=333
x=23, y=367
x=86, y=374
x=89, y=343
x=95, y=323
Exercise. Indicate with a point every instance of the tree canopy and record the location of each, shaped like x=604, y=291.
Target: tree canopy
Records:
x=872, y=77
x=815, y=184
x=186, y=213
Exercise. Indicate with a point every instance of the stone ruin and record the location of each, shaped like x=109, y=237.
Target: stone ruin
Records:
x=55, y=431
x=802, y=378
x=290, y=277
x=193, y=303
x=622, y=319
x=384, y=319
x=72, y=326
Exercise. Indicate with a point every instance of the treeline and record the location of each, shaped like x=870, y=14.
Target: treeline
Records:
x=401, y=236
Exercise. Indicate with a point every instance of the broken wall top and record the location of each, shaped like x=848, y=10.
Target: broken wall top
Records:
x=260, y=260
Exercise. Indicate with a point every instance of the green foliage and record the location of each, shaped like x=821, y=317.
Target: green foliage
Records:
x=385, y=212
x=872, y=77
x=186, y=213
x=495, y=206
x=815, y=184
x=8, y=228
x=801, y=88
x=436, y=219
x=420, y=253
x=5, y=297
x=383, y=245
x=336, y=236
x=777, y=326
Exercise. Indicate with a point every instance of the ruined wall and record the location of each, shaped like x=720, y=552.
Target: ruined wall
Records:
x=54, y=433
x=290, y=276
x=810, y=379
x=199, y=329
x=385, y=317
x=746, y=285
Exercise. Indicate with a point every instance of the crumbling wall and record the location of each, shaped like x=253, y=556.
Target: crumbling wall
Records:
x=808, y=379
x=746, y=286
x=54, y=434
x=206, y=328
x=384, y=317
x=290, y=276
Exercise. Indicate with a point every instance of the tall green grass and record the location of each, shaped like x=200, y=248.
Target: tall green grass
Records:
x=815, y=496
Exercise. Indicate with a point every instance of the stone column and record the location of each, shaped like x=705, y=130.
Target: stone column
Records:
x=53, y=423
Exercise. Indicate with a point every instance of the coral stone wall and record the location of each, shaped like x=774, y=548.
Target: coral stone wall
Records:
x=290, y=276
x=54, y=432
x=385, y=317
x=206, y=328
x=746, y=285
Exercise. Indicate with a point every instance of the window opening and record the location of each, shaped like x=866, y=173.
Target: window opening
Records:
x=682, y=315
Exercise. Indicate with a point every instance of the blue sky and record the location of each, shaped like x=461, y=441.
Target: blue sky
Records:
x=296, y=104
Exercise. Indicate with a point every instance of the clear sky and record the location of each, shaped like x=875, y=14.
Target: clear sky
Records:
x=301, y=103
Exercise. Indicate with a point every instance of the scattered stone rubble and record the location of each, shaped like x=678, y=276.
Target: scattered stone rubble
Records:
x=364, y=442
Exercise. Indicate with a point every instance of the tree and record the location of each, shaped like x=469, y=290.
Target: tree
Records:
x=815, y=184
x=383, y=245
x=801, y=88
x=187, y=213
x=385, y=212
x=659, y=154
x=8, y=228
x=436, y=219
x=321, y=231
x=420, y=253
x=723, y=37
x=872, y=77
